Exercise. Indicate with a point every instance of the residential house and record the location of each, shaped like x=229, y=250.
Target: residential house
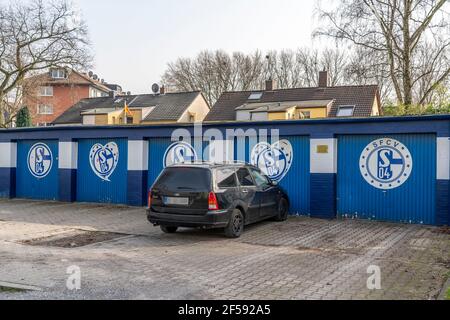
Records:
x=145, y=109
x=323, y=101
x=50, y=94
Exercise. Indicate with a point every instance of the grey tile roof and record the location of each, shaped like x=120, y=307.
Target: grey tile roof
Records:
x=168, y=107
x=362, y=97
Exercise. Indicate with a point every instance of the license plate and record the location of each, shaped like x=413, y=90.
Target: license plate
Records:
x=172, y=201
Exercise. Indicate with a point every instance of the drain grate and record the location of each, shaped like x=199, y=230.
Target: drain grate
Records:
x=74, y=240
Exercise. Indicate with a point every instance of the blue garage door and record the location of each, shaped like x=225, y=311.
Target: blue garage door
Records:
x=102, y=171
x=37, y=170
x=387, y=178
x=285, y=161
x=163, y=151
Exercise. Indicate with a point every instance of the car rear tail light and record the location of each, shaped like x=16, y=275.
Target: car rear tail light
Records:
x=212, y=202
x=149, y=200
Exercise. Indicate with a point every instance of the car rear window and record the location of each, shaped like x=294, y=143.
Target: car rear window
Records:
x=226, y=178
x=185, y=179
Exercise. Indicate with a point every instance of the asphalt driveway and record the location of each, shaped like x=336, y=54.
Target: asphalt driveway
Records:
x=117, y=254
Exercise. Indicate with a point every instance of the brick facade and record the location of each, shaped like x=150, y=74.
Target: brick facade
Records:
x=66, y=93
x=64, y=96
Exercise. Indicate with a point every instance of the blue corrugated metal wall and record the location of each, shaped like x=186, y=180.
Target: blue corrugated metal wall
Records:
x=412, y=202
x=297, y=180
x=95, y=187
x=157, y=149
x=43, y=184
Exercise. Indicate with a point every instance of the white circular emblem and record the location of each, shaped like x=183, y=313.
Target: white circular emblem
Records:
x=274, y=160
x=386, y=164
x=179, y=152
x=104, y=159
x=40, y=160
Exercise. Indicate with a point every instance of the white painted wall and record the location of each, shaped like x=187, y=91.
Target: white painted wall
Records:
x=260, y=116
x=324, y=162
x=443, y=158
x=68, y=155
x=243, y=115
x=8, y=155
x=89, y=120
x=137, y=155
x=199, y=106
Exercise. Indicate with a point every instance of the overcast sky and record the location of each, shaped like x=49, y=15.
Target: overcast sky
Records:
x=134, y=40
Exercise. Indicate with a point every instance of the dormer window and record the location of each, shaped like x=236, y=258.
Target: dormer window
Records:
x=346, y=111
x=58, y=73
x=255, y=96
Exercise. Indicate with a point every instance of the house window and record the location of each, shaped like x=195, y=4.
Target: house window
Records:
x=46, y=91
x=58, y=74
x=45, y=109
x=191, y=117
x=130, y=120
x=305, y=115
x=255, y=96
x=346, y=111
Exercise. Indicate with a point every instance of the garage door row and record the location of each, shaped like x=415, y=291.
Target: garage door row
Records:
x=390, y=178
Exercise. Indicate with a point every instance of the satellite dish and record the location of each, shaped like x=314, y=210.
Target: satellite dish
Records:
x=90, y=74
x=155, y=88
x=95, y=77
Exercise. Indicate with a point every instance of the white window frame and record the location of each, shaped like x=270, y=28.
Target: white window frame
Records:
x=96, y=93
x=58, y=73
x=47, y=109
x=46, y=91
x=345, y=107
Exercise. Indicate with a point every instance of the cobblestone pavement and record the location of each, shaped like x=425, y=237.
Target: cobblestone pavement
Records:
x=299, y=259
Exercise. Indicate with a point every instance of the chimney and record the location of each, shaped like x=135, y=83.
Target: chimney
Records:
x=323, y=79
x=271, y=85
x=162, y=90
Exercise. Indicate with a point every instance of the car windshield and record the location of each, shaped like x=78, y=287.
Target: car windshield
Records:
x=185, y=179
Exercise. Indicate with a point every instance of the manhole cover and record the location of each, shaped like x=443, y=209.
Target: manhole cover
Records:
x=79, y=239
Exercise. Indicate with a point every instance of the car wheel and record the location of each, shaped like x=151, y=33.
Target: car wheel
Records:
x=283, y=211
x=166, y=229
x=236, y=226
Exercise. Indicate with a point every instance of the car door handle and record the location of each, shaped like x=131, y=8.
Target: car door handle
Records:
x=245, y=191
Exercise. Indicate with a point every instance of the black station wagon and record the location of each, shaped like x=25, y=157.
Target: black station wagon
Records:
x=203, y=195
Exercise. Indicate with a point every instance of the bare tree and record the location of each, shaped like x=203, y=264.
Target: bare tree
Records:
x=367, y=67
x=216, y=72
x=35, y=36
x=398, y=30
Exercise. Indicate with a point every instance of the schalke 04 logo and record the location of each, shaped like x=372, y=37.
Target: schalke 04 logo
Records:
x=274, y=160
x=180, y=152
x=104, y=159
x=386, y=164
x=40, y=160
